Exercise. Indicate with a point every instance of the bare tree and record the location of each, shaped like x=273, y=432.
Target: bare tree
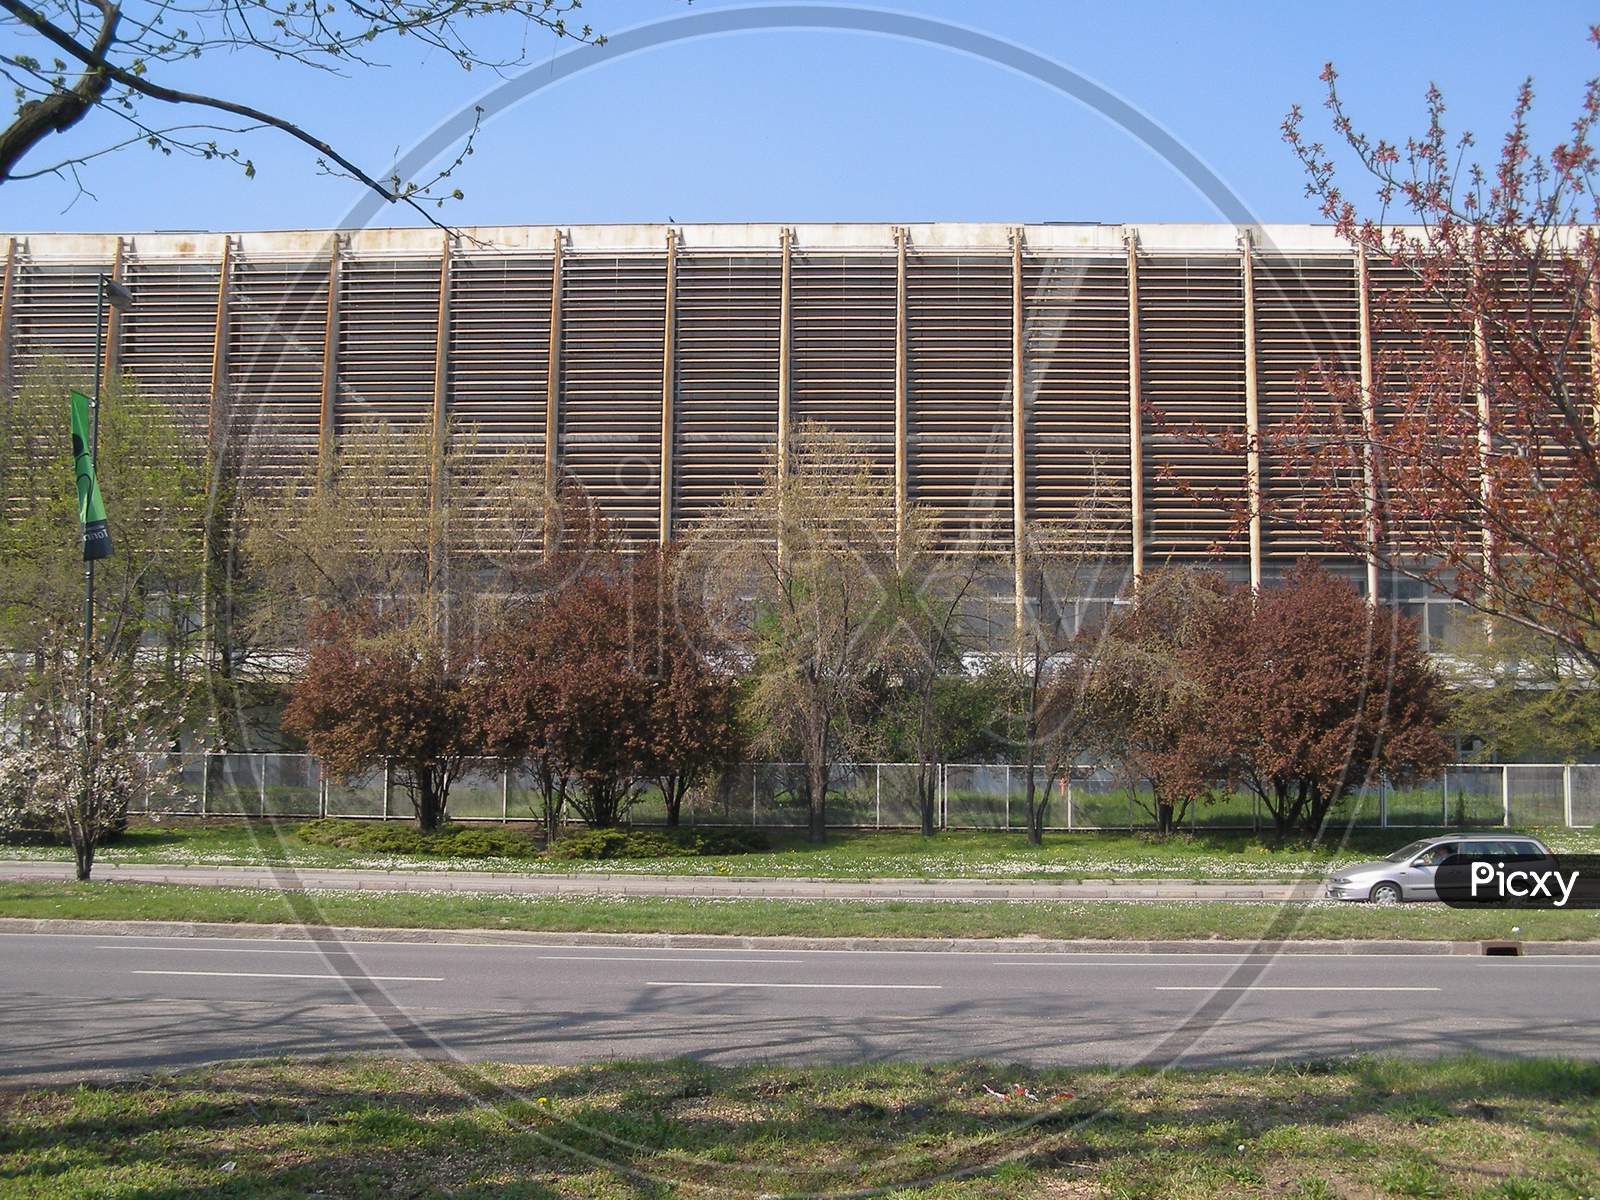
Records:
x=1055, y=664
x=118, y=63
x=801, y=581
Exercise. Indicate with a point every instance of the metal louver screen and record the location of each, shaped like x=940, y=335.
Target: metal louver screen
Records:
x=1308, y=331
x=726, y=406
x=498, y=365
x=1191, y=327
x=1407, y=322
x=958, y=316
x=53, y=315
x=169, y=336
x=613, y=315
x=277, y=330
x=1078, y=467
x=388, y=334
x=843, y=347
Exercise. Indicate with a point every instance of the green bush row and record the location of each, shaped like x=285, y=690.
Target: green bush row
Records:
x=460, y=841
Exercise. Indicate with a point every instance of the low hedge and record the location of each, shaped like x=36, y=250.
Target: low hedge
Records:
x=453, y=841
x=595, y=844
x=589, y=845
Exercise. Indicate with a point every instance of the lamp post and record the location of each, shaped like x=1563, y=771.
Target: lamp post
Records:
x=107, y=291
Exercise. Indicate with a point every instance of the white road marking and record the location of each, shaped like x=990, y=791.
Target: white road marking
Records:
x=1272, y=987
x=870, y=987
x=1069, y=962
x=618, y=958
x=230, y=949
x=286, y=975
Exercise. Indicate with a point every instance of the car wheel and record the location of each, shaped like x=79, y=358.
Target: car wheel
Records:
x=1386, y=893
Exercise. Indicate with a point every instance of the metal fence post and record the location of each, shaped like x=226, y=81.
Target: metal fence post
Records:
x=322, y=792
x=753, y=768
x=1008, y=797
x=264, y=758
x=505, y=793
x=1444, y=788
x=877, y=795
x=205, y=782
x=387, y=784
x=1566, y=792
x=1505, y=796
x=1070, y=799
x=1383, y=803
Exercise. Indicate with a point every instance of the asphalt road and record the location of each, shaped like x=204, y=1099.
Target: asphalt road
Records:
x=74, y=1006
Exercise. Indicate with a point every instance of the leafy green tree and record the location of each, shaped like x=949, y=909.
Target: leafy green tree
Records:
x=153, y=476
x=799, y=578
x=1523, y=695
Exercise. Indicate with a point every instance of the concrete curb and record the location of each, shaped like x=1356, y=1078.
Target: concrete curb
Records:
x=494, y=937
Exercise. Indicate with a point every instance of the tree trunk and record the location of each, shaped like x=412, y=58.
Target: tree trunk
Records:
x=1035, y=810
x=817, y=795
x=83, y=856
x=430, y=800
x=928, y=797
x=672, y=792
x=1164, y=820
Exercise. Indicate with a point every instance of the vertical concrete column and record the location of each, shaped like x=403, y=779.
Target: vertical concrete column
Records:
x=1486, y=490
x=1252, y=407
x=785, y=375
x=1135, y=413
x=113, y=361
x=219, y=350
x=668, y=387
x=7, y=294
x=328, y=417
x=552, y=398
x=1369, y=429
x=902, y=396
x=441, y=381
x=1019, y=427
x=785, y=346
x=216, y=410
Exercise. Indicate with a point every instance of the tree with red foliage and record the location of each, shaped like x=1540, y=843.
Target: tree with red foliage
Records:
x=1314, y=694
x=692, y=727
x=1153, y=688
x=1469, y=458
x=374, y=690
x=601, y=685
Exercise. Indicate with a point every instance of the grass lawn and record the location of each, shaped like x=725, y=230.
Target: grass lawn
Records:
x=813, y=918
x=1465, y=1127
x=1206, y=855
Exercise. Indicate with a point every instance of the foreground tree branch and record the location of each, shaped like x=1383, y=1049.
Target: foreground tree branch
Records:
x=135, y=40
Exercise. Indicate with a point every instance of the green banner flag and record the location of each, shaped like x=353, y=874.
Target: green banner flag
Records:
x=91, y=510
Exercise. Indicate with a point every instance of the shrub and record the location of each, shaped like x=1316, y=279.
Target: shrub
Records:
x=598, y=844
x=450, y=841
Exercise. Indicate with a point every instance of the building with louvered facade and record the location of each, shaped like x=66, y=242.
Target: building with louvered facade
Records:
x=1002, y=374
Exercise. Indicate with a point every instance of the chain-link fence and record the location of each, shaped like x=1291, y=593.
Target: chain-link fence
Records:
x=880, y=796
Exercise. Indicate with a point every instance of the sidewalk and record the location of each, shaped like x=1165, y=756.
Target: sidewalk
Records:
x=593, y=883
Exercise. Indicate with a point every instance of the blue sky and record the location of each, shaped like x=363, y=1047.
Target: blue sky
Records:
x=846, y=126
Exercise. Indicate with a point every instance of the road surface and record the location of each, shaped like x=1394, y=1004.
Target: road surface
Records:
x=74, y=1006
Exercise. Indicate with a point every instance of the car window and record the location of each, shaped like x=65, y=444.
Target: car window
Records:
x=1527, y=849
x=1407, y=852
x=1487, y=849
x=1435, y=856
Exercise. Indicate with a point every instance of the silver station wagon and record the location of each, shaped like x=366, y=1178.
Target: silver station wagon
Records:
x=1408, y=873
